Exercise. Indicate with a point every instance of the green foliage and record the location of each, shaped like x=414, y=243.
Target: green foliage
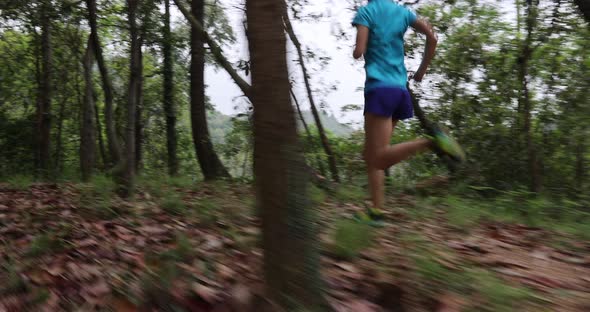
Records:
x=13, y=282
x=173, y=204
x=499, y=296
x=207, y=211
x=96, y=198
x=350, y=193
x=316, y=194
x=182, y=252
x=44, y=244
x=350, y=238
x=19, y=182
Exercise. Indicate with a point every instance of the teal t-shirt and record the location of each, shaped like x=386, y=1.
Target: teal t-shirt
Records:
x=384, y=59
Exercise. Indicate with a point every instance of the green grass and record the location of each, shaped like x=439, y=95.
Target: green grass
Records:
x=173, y=204
x=12, y=282
x=96, y=198
x=350, y=238
x=499, y=296
x=350, y=193
x=316, y=194
x=44, y=244
x=19, y=182
x=207, y=210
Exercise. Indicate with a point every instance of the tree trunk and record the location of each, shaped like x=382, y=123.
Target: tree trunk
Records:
x=87, y=130
x=309, y=136
x=171, y=140
x=214, y=49
x=584, y=7
x=107, y=86
x=209, y=162
x=127, y=181
x=292, y=274
x=44, y=97
x=139, y=112
x=525, y=102
x=58, y=137
x=323, y=138
x=101, y=146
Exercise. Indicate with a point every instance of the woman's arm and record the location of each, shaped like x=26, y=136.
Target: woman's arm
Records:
x=425, y=28
x=362, y=37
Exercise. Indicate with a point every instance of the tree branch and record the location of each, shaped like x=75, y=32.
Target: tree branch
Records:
x=216, y=50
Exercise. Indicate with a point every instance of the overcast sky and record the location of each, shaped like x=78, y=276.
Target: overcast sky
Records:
x=346, y=74
x=342, y=71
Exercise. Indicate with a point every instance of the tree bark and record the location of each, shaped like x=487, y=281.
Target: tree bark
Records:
x=87, y=130
x=139, y=126
x=44, y=96
x=127, y=181
x=101, y=146
x=209, y=162
x=169, y=109
x=323, y=137
x=309, y=136
x=107, y=86
x=215, y=49
x=292, y=274
x=584, y=7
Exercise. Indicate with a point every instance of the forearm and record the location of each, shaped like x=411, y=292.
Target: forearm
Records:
x=429, y=52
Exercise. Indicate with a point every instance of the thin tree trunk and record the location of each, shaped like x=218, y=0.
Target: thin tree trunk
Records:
x=309, y=136
x=58, y=137
x=525, y=102
x=101, y=146
x=291, y=274
x=107, y=86
x=214, y=49
x=139, y=126
x=45, y=88
x=87, y=130
x=209, y=162
x=127, y=183
x=171, y=140
x=323, y=138
x=581, y=164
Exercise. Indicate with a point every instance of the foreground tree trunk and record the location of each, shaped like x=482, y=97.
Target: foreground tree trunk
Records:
x=316, y=115
x=291, y=263
x=44, y=96
x=584, y=7
x=107, y=86
x=127, y=181
x=171, y=141
x=209, y=162
x=87, y=130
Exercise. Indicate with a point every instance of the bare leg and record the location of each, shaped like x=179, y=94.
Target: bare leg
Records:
x=379, y=155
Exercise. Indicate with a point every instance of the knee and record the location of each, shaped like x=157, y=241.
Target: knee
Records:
x=373, y=160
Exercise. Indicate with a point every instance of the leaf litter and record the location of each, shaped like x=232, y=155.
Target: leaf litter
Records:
x=162, y=262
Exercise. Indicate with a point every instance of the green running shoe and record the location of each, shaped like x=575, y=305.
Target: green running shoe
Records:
x=447, y=145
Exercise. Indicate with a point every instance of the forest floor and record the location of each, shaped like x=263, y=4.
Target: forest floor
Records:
x=195, y=248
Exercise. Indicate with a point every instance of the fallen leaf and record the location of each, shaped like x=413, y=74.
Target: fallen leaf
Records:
x=449, y=302
x=346, y=266
x=206, y=293
x=99, y=289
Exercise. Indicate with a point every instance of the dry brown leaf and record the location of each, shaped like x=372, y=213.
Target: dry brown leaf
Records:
x=206, y=293
x=449, y=302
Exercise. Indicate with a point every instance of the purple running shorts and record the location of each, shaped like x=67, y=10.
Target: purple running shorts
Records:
x=391, y=102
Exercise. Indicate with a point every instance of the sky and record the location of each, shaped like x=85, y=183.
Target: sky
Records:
x=342, y=71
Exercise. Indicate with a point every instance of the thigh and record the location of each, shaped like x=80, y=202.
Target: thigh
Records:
x=378, y=131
